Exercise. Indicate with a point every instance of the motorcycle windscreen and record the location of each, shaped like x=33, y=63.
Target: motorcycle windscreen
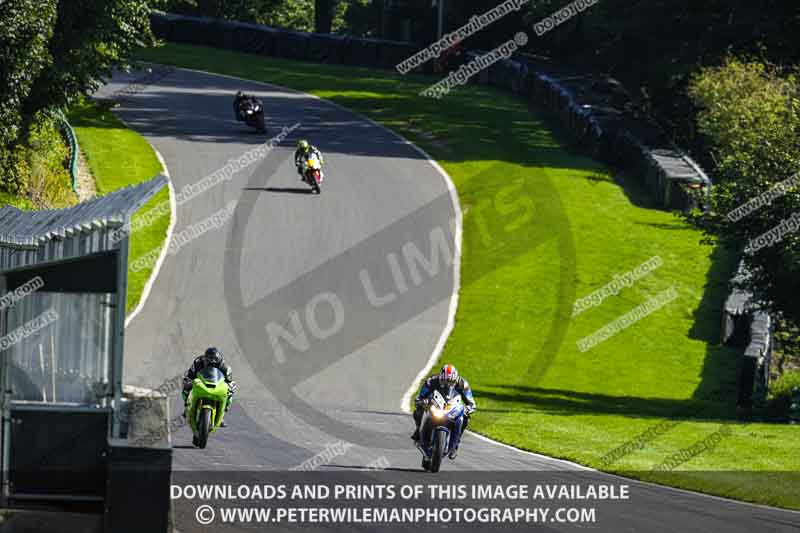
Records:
x=211, y=374
x=450, y=393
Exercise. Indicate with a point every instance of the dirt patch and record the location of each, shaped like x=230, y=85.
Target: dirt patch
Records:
x=84, y=181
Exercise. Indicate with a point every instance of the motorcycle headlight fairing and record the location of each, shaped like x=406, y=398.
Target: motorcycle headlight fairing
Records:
x=438, y=413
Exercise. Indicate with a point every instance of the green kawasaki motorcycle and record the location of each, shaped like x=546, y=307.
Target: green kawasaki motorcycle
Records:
x=208, y=402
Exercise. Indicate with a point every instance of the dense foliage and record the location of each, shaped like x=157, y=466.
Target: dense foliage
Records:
x=654, y=46
x=52, y=52
x=26, y=27
x=781, y=394
x=749, y=115
x=353, y=17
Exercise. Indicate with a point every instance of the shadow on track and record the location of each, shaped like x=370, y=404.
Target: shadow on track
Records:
x=370, y=468
x=286, y=190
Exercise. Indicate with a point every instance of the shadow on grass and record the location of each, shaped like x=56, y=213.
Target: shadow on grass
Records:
x=523, y=398
x=599, y=178
x=718, y=376
x=91, y=115
x=713, y=399
x=715, y=395
x=661, y=225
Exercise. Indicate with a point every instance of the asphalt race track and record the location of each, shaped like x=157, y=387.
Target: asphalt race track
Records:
x=329, y=277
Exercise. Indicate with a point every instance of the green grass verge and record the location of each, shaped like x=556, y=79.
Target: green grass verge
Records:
x=119, y=157
x=545, y=225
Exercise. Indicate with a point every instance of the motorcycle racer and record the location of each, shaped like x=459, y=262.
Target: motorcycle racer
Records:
x=446, y=378
x=303, y=152
x=240, y=103
x=211, y=357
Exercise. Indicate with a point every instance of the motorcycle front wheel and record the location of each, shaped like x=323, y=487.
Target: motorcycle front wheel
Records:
x=438, y=450
x=312, y=182
x=204, y=428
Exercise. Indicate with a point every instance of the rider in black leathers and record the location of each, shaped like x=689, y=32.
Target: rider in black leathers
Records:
x=212, y=357
x=240, y=103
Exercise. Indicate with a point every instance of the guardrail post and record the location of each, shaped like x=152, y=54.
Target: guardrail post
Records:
x=119, y=334
x=794, y=407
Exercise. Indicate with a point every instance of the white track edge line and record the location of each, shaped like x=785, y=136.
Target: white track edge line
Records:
x=173, y=217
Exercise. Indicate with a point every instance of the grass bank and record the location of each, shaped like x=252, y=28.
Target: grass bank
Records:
x=544, y=226
x=119, y=157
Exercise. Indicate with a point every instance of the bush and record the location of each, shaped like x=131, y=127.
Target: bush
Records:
x=50, y=184
x=37, y=172
x=780, y=394
x=17, y=201
x=787, y=337
x=14, y=170
x=749, y=112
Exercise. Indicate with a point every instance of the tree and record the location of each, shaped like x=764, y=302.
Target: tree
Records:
x=749, y=114
x=26, y=27
x=51, y=52
x=90, y=38
x=360, y=18
x=323, y=15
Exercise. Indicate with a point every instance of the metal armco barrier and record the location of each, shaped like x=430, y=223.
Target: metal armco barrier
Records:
x=74, y=153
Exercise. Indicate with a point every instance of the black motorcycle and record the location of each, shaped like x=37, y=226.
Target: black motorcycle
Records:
x=251, y=111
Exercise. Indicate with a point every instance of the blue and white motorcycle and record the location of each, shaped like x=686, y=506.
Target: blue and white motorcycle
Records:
x=440, y=429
